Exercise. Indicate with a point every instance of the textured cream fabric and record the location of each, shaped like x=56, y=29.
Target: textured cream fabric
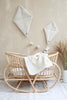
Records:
x=17, y=71
x=50, y=30
x=37, y=63
x=23, y=20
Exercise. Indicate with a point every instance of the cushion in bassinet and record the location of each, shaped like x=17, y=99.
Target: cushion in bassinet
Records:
x=17, y=71
x=20, y=72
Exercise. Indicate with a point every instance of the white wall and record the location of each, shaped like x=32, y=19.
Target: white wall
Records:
x=43, y=11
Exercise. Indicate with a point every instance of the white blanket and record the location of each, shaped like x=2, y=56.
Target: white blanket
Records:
x=37, y=63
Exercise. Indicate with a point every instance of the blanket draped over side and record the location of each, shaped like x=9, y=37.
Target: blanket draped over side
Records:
x=37, y=63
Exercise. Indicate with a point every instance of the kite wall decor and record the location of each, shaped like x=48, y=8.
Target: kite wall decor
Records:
x=50, y=30
x=23, y=20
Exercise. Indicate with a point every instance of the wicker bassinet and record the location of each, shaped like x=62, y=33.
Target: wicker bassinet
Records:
x=16, y=72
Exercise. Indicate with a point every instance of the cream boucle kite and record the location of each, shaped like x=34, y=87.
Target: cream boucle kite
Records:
x=23, y=20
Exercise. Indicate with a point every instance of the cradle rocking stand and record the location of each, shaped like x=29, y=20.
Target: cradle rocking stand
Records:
x=17, y=77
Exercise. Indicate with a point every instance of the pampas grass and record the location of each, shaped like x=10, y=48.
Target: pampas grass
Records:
x=61, y=47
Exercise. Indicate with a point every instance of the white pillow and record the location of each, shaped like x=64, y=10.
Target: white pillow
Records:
x=17, y=71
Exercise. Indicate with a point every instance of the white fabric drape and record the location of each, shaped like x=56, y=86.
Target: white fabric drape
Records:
x=37, y=63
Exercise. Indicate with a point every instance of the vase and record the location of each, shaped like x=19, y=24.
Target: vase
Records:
x=65, y=75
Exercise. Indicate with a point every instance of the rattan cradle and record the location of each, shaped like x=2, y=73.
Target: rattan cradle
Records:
x=16, y=72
